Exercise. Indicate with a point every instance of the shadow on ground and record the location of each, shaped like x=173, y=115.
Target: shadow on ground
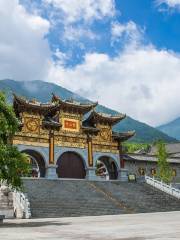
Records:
x=32, y=224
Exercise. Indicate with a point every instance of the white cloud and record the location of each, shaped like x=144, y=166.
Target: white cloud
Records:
x=24, y=52
x=86, y=10
x=75, y=17
x=170, y=3
x=76, y=33
x=143, y=82
x=129, y=29
x=61, y=57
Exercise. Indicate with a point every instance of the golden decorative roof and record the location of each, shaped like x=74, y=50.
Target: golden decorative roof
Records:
x=71, y=104
x=20, y=104
x=95, y=117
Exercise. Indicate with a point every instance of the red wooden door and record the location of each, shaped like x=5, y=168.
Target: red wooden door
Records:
x=70, y=165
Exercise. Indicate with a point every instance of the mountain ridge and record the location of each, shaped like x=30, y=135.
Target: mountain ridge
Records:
x=172, y=128
x=42, y=91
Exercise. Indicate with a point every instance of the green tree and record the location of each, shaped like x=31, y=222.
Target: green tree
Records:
x=13, y=164
x=130, y=147
x=164, y=170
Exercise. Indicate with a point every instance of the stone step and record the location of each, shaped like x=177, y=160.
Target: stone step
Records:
x=63, y=198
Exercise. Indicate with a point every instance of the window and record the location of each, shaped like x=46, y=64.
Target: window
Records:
x=153, y=171
x=141, y=171
x=174, y=173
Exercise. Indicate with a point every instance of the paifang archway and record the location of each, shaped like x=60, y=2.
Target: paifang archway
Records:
x=37, y=162
x=70, y=165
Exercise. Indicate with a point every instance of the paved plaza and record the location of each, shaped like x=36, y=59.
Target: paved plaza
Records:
x=127, y=227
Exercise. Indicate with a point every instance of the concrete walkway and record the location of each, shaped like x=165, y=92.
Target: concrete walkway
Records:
x=146, y=226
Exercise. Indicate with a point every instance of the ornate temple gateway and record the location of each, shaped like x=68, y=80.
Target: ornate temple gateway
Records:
x=68, y=139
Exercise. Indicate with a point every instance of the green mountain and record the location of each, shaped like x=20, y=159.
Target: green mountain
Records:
x=171, y=128
x=41, y=91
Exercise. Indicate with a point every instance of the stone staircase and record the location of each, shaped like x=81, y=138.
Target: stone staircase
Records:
x=65, y=198
x=140, y=197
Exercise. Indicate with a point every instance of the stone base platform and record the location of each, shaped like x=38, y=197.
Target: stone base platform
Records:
x=8, y=213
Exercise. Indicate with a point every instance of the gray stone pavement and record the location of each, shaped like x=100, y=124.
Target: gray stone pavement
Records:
x=125, y=227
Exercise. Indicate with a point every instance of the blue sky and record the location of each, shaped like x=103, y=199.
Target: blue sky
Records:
x=123, y=53
x=158, y=23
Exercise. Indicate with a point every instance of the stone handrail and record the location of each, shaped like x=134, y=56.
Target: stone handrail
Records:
x=21, y=205
x=163, y=186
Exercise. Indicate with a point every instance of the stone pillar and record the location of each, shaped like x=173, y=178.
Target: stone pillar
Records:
x=51, y=168
x=122, y=173
x=51, y=171
x=91, y=173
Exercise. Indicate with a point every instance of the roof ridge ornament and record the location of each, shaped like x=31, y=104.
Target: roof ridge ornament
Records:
x=55, y=98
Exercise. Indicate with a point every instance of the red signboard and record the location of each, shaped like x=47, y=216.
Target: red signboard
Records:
x=70, y=124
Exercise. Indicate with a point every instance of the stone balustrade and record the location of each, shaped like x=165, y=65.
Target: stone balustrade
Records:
x=163, y=186
x=21, y=205
x=13, y=203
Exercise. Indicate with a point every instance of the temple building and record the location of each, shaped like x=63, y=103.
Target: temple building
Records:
x=69, y=139
x=144, y=162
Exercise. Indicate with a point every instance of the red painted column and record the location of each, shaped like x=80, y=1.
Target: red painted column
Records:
x=51, y=147
x=90, y=151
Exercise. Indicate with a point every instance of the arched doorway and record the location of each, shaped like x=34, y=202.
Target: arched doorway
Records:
x=106, y=168
x=37, y=163
x=70, y=165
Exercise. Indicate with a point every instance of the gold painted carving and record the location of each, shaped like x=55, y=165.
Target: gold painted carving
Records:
x=32, y=125
x=30, y=143
x=105, y=134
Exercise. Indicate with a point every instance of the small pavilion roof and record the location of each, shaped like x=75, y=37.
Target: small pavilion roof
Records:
x=20, y=104
x=123, y=136
x=50, y=123
x=89, y=129
x=74, y=105
x=95, y=117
